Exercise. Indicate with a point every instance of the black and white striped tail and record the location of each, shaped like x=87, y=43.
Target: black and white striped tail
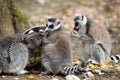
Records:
x=77, y=69
x=16, y=41
x=115, y=58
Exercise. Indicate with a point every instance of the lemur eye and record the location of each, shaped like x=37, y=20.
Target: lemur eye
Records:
x=76, y=24
x=51, y=26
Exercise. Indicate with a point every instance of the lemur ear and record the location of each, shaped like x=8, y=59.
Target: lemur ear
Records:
x=77, y=15
x=57, y=21
x=80, y=15
x=48, y=17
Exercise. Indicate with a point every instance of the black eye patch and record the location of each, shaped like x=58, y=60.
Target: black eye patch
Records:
x=51, y=26
x=82, y=17
x=76, y=24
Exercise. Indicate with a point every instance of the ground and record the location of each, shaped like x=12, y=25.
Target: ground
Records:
x=106, y=76
x=104, y=12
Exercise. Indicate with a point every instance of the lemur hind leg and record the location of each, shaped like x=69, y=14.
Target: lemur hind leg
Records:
x=99, y=54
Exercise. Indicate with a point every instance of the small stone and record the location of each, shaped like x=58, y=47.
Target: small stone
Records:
x=16, y=78
x=71, y=77
x=113, y=77
x=105, y=69
x=55, y=79
x=88, y=74
x=101, y=73
x=97, y=71
x=118, y=68
x=3, y=76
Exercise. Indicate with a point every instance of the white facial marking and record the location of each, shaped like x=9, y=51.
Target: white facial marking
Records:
x=49, y=23
x=41, y=30
x=57, y=26
x=46, y=29
x=82, y=22
x=31, y=31
x=58, y=20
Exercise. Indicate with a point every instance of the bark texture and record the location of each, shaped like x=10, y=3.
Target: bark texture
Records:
x=11, y=18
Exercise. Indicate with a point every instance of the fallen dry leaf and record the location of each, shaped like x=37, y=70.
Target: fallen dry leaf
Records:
x=31, y=77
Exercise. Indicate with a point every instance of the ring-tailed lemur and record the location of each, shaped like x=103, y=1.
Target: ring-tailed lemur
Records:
x=14, y=52
x=95, y=40
x=15, y=60
x=56, y=56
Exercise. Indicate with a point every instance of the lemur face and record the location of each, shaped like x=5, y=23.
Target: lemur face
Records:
x=80, y=21
x=52, y=24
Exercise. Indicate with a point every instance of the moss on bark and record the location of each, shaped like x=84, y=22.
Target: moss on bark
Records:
x=11, y=18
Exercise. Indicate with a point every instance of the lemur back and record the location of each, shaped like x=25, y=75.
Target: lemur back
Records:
x=58, y=50
x=101, y=36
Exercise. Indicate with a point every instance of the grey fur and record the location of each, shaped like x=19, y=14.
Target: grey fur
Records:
x=56, y=52
x=14, y=52
x=56, y=55
x=95, y=40
x=12, y=60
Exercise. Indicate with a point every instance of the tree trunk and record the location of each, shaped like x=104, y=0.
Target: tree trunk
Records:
x=11, y=19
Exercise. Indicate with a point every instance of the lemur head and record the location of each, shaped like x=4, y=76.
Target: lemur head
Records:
x=34, y=35
x=80, y=22
x=35, y=29
x=52, y=24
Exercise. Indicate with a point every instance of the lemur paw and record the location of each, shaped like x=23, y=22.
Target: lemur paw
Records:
x=74, y=35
